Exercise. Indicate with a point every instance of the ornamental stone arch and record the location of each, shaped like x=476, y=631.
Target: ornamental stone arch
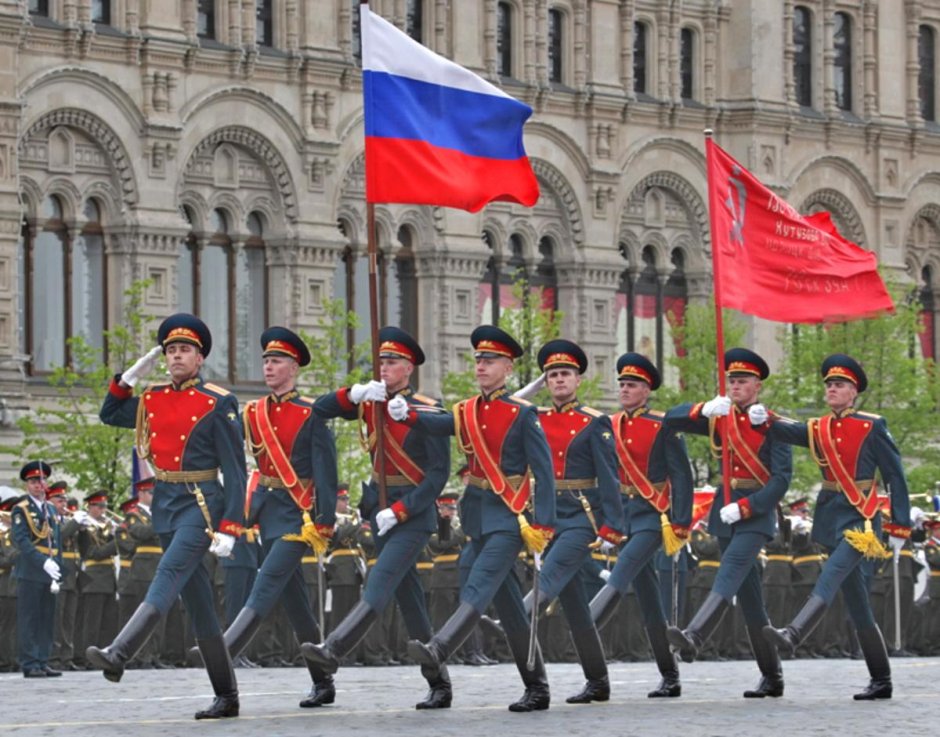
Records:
x=261, y=161
x=97, y=152
x=566, y=200
x=844, y=214
x=922, y=244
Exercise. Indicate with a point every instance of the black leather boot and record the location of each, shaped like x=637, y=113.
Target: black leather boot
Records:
x=805, y=621
x=604, y=605
x=879, y=667
x=237, y=637
x=768, y=661
x=591, y=654
x=688, y=641
x=669, y=686
x=450, y=637
x=440, y=692
x=125, y=646
x=342, y=640
x=321, y=692
x=536, y=696
x=221, y=676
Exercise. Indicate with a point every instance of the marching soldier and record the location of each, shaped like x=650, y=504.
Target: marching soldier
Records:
x=416, y=469
x=760, y=473
x=849, y=446
x=38, y=571
x=98, y=548
x=656, y=481
x=294, y=502
x=504, y=442
x=188, y=430
x=66, y=613
x=587, y=505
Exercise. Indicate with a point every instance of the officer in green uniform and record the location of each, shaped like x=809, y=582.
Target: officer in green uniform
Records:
x=98, y=547
x=8, y=554
x=66, y=614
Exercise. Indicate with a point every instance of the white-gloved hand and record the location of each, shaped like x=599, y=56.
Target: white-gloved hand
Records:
x=606, y=546
x=757, y=414
x=373, y=391
x=603, y=574
x=386, y=520
x=896, y=543
x=222, y=545
x=531, y=389
x=717, y=407
x=52, y=569
x=143, y=367
x=82, y=517
x=398, y=408
x=730, y=513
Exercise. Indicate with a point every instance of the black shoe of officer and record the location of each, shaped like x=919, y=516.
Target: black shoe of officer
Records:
x=535, y=698
x=221, y=708
x=878, y=688
x=51, y=672
x=440, y=692
x=321, y=693
x=767, y=686
x=669, y=688
x=596, y=689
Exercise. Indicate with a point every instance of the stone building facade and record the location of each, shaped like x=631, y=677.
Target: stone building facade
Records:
x=215, y=147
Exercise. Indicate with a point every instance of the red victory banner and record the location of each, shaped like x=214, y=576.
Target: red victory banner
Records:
x=780, y=265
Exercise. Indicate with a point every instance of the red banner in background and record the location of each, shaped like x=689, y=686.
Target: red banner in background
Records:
x=780, y=265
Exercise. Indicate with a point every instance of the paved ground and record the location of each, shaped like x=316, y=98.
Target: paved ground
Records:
x=373, y=701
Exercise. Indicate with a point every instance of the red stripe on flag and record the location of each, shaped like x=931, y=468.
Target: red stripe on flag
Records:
x=418, y=173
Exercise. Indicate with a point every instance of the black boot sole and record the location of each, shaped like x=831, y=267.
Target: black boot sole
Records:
x=99, y=661
x=315, y=654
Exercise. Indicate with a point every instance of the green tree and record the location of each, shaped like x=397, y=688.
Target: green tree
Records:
x=328, y=371
x=69, y=433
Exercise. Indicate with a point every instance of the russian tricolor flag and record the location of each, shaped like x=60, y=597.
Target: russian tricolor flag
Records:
x=436, y=133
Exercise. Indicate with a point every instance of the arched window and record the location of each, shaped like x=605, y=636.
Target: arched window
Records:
x=545, y=277
x=556, y=48
x=45, y=262
x=186, y=267
x=842, y=64
x=926, y=54
x=251, y=300
x=205, y=19
x=645, y=312
x=356, y=30
x=39, y=7
x=504, y=39
x=407, y=279
x=802, y=56
x=489, y=285
x=101, y=12
x=414, y=20
x=928, y=305
x=687, y=63
x=264, y=23
x=640, y=72
x=215, y=287
x=88, y=279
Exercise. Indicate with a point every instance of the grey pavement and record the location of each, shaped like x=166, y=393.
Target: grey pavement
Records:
x=380, y=701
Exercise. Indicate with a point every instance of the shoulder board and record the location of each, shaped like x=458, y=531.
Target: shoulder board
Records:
x=519, y=400
x=424, y=399
x=24, y=505
x=215, y=388
x=656, y=413
x=591, y=411
x=868, y=415
x=429, y=408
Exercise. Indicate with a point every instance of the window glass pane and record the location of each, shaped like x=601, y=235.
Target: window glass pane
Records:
x=51, y=209
x=555, y=47
x=414, y=20
x=802, y=57
x=218, y=222
x=88, y=289
x=925, y=81
x=361, y=303
x=250, y=301
x=356, y=34
x=205, y=19
x=504, y=40
x=639, y=58
x=48, y=302
x=213, y=308
x=842, y=66
x=391, y=292
x=686, y=51
x=255, y=224
x=264, y=29
x=184, y=278
x=100, y=11
x=21, y=291
x=39, y=7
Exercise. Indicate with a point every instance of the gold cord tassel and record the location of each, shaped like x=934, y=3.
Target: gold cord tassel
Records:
x=535, y=540
x=672, y=543
x=311, y=535
x=866, y=542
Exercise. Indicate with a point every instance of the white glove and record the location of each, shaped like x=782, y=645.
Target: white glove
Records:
x=896, y=543
x=52, y=569
x=373, y=391
x=757, y=414
x=604, y=574
x=385, y=520
x=531, y=389
x=82, y=517
x=398, y=408
x=143, y=367
x=606, y=546
x=222, y=545
x=730, y=513
x=717, y=407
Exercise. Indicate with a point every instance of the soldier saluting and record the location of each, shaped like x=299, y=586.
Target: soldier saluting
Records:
x=188, y=430
x=848, y=446
x=503, y=441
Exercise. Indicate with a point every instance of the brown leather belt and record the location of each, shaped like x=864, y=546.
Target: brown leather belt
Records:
x=746, y=484
x=393, y=479
x=631, y=491
x=186, y=477
x=482, y=483
x=274, y=482
x=863, y=484
x=575, y=484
